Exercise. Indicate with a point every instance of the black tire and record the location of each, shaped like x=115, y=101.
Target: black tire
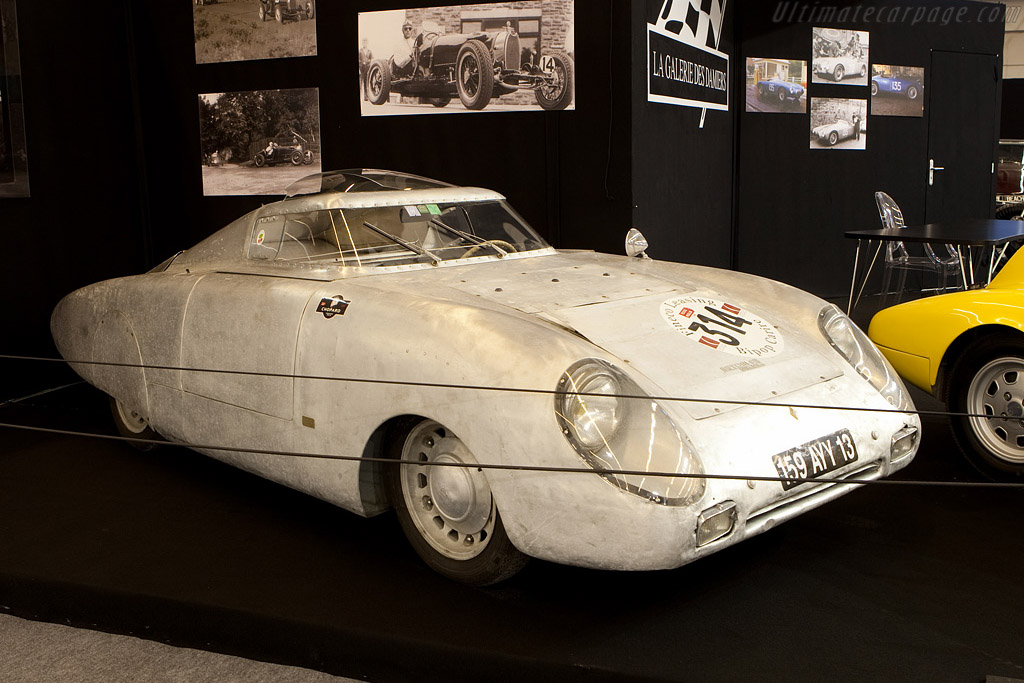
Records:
x=307, y=158
x=482, y=556
x=863, y=70
x=782, y=96
x=838, y=73
x=1010, y=212
x=912, y=92
x=378, y=82
x=260, y=159
x=474, y=74
x=760, y=92
x=874, y=88
x=558, y=96
x=295, y=158
x=979, y=383
x=833, y=138
x=133, y=426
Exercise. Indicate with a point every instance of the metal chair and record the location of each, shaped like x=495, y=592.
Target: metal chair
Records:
x=898, y=258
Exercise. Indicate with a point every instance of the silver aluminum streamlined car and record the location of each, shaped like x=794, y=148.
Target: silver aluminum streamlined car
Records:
x=426, y=289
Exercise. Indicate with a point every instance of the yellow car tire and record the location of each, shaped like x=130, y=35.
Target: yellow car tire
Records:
x=986, y=395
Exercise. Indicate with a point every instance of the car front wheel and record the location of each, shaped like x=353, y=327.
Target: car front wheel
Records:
x=986, y=395
x=474, y=75
x=446, y=510
x=838, y=74
x=833, y=138
x=912, y=93
x=378, y=82
x=782, y=96
x=557, y=94
x=260, y=159
x=874, y=89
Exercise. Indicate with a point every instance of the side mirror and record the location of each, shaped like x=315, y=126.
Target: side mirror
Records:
x=636, y=244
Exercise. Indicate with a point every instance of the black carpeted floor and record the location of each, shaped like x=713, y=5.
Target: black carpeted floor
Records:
x=888, y=583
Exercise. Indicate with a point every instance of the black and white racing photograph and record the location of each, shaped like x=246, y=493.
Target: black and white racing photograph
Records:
x=239, y=30
x=839, y=123
x=260, y=141
x=840, y=56
x=512, y=56
x=776, y=85
x=897, y=90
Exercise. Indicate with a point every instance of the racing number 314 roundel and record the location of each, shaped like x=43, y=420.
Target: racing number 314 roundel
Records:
x=722, y=326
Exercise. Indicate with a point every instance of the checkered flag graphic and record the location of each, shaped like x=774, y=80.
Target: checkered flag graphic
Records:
x=696, y=22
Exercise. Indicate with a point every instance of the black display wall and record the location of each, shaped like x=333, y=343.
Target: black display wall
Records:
x=794, y=203
x=682, y=172
x=113, y=142
x=566, y=172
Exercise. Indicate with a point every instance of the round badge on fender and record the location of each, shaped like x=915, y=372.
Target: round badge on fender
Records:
x=722, y=326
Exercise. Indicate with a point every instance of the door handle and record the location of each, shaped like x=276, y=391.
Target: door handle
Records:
x=932, y=168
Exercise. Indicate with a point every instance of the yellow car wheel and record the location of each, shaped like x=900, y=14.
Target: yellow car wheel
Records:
x=986, y=393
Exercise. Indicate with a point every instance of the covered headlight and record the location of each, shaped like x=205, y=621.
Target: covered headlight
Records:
x=864, y=356
x=613, y=426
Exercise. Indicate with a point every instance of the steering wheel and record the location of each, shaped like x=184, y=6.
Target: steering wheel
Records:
x=501, y=244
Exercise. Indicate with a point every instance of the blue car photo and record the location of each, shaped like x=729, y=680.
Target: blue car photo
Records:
x=780, y=89
x=907, y=87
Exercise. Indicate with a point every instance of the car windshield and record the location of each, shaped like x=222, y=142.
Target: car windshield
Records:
x=393, y=235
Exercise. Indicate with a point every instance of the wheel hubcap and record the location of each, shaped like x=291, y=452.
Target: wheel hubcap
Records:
x=134, y=422
x=997, y=391
x=450, y=505
x=470, y=75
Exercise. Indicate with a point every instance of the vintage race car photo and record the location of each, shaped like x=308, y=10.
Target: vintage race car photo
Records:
x=906, y=87
x=782, y=90
x=380, y=340
x=475, y=67
x=831, y=133
x=285, y=10
x=967, y=349
x=838, y=68
x=283, y=153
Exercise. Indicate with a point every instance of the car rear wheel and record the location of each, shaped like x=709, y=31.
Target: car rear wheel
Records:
x=378, y=82
x=474, y=75
x=839, y=72
x=132, y=425
x=557, y=94
x=986, y=395
x=296, y=158
x=307, y=158
x=447, y=511
x=260, y=159
x=1010, y=212
x=912, y=93
x=833, y=138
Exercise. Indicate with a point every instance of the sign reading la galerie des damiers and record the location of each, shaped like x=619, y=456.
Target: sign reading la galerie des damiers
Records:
x=684, y=65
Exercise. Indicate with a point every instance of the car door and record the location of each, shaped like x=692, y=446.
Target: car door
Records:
x=242, y=330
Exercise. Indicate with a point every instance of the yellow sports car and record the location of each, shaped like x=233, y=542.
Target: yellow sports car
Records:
x=967, y=349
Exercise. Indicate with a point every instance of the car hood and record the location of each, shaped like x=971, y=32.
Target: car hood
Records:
x=641, y=311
